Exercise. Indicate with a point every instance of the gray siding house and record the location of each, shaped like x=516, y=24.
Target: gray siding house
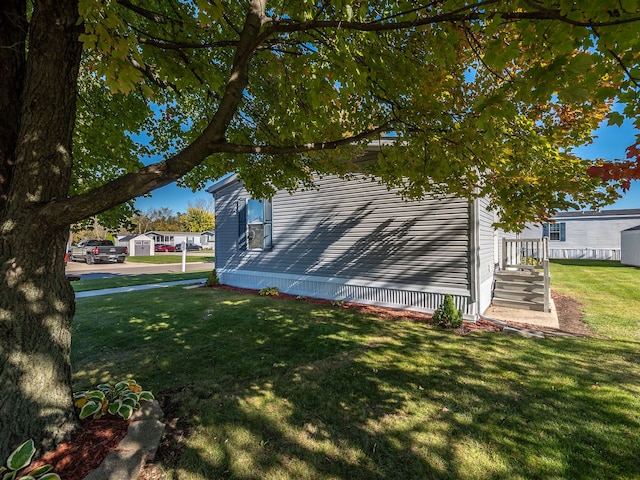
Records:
x=355, y=240
x=630, y=247
x=586, y=234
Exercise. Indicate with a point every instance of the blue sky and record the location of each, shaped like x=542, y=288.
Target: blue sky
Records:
x=610, y=144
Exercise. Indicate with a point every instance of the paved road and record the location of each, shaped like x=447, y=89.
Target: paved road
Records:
x=105, y=270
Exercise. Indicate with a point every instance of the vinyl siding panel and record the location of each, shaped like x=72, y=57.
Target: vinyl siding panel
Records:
x=487, y=253
x=355, y=233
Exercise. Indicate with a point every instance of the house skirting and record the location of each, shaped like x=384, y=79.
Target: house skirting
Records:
x=405, y=297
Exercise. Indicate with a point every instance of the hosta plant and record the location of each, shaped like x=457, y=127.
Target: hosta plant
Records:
x=122, y=399
x=20, y=459
x=269, y=292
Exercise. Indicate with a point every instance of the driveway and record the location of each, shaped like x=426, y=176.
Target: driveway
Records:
x=105, y=270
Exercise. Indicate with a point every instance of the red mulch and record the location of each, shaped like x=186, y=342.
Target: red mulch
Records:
x=88, y=447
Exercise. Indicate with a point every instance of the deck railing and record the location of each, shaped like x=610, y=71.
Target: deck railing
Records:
x=528, y=254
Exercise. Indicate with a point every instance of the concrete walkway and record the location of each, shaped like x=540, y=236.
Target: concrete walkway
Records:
x=135, y=288
x=529, y=317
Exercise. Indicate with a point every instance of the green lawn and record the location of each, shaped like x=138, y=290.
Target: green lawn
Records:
x=129, y=280
x=608, y=290
x=265, y=388
x=172, y=258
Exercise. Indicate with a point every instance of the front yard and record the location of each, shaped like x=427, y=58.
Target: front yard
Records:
x=262, y=388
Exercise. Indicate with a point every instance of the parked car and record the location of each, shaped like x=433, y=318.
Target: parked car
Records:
x=93, y=250
x=163, y=247
x=189, y=247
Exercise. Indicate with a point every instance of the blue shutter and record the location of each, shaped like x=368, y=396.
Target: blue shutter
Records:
x=563, y=232
x=268, y=226
x=242, y=224
x=545, y=230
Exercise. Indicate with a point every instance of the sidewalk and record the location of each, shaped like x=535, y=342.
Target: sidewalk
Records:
x=135, y=288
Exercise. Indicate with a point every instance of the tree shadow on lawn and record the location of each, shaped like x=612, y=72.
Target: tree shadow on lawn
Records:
x=341, y=395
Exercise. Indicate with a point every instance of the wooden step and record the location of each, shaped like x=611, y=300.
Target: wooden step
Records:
x=519, y=304
x=516, y=295
x=520, y=276
x=519, y=284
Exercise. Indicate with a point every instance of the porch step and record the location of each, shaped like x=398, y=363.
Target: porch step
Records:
x=529, y=296
x=520, y=276
x=537, y=305
x=522, y=289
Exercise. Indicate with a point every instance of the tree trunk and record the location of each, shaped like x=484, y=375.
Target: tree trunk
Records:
x=36, y=308
x=36, y=299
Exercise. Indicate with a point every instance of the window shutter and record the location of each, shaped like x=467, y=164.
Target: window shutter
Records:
x=545, y=230
x=563, y=232
x=268, y=225
x=242, y=224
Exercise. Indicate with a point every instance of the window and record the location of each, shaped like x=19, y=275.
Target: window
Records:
x=254, y=224
x=555, y=231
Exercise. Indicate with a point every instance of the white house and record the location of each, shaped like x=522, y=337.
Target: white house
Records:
x=175, y=238
x=586, y=234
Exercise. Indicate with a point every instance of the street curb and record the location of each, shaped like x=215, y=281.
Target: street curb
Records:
x=137, y=447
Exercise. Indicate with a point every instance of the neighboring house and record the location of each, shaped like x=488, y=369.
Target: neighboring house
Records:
x=139, y=245
x=630, y=246
x=174, y=238
x=208, y=239
x=587, y=235
x=355, y=240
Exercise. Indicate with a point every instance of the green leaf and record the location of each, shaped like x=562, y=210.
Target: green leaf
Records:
x=21, y=456
x=121, y=386
x=125, y=412
x=146, y=396
x=615, y=118
x=27, y=477
x=42, y=470
x=50, y=476
x=89, y=409
x=9, y=476
x=114, y=407
x=95, y=394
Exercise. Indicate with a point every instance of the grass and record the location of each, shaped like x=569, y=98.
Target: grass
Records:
x=129, y=280
x=177, y=258
x=277, y=389
x=608, y=290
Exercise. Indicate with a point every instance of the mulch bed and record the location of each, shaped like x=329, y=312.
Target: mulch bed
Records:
x=87, y=448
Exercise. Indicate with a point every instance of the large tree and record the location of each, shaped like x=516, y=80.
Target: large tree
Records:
x=487, y=98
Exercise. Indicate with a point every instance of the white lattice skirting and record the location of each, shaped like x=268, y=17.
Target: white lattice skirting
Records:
x=405, y=297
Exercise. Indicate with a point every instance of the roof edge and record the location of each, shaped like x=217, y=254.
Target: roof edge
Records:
x=222, y=183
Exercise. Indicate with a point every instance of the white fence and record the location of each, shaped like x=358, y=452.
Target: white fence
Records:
x=586, y=253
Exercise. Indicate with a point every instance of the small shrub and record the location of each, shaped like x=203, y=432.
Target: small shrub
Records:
x=337, y=303
x=270, y=292
x=122, y=399
x=20, y=459
x=447, y=315
x=301, y=297
x=213, y=280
